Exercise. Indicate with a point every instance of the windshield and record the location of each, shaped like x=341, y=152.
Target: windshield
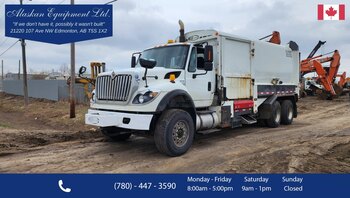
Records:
x=173, y=57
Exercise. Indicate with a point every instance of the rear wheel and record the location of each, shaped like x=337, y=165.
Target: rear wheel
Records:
x=174, y=132
x=287, y=112
x=275, y=119
x=115, y=133
x=261, y=122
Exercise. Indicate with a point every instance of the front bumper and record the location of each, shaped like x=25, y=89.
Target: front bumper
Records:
x=123, y=120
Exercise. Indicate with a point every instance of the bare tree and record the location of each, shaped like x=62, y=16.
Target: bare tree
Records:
x=64, y=69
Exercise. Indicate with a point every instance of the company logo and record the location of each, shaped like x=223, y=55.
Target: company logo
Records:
x=113, y=75
x=331, y=12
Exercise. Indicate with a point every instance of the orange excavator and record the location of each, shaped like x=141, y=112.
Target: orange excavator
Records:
x=343, y=80
x=326, y=75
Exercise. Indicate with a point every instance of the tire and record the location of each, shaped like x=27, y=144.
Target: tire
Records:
x=116, y=134
x=287, y=111
x=261, y=123
x=275, y=119
x=174, y=132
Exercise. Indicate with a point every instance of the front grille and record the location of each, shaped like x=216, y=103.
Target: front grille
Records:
x=113, y=89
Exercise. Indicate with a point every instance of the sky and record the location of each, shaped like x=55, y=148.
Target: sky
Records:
x=139, y=24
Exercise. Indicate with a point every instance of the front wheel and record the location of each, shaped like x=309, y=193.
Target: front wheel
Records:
x=174, y=132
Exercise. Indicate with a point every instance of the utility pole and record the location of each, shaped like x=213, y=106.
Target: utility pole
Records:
x=72, y=77
x=2, y=70
x=24, y=60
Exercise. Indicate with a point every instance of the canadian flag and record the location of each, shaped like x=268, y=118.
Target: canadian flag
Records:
x=331, y=12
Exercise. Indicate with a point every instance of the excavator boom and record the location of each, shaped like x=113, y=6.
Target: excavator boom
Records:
x=334, y=66
x=343, y=80
x=323, y=77
x=316, y=48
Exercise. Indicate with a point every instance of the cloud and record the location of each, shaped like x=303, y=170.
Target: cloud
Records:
x=140, y=24
x=287, y=18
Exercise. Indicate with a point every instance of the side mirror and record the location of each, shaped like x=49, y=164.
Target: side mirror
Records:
x=147, y=63
x=208, y=66
x=208, y=53
x=133, y=62
x=82, y=70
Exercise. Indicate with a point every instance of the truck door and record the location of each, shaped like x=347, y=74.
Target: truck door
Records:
x=200, y=86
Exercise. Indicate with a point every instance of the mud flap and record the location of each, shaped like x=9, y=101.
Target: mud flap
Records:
x=265, y=109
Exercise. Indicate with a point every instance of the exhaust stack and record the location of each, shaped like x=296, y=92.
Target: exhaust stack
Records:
x=182, y=32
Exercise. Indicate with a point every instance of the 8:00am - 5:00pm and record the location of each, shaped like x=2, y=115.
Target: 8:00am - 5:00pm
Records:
x=145, y=186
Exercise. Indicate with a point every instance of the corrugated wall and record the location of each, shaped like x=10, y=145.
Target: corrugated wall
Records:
x=49, y=89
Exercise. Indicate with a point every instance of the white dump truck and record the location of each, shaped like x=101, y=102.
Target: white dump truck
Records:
x=202, y=82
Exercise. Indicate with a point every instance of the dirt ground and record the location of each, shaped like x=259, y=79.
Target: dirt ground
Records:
x=42, y=139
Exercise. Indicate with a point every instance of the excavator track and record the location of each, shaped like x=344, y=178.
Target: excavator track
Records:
x=324, y=95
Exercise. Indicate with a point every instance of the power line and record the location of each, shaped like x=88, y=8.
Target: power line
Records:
x=9, y=48
x=105, y=3
x=4, y=41
x=111, y=2
x=61, y=2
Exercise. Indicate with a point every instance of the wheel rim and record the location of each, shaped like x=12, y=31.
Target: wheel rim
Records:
x=180, y=133
x=290, y=113
x=278, y=115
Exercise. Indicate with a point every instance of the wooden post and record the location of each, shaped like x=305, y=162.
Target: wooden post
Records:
x=24, y=60
x=72, y=77
x=2, y=70
x=19, y=69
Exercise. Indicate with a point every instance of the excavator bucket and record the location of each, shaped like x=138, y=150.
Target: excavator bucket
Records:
x=338, y=89
x=324, y=95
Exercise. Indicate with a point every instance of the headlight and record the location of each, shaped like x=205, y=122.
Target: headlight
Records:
x=146, y=97
x=141, y=99
x=93, y=97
